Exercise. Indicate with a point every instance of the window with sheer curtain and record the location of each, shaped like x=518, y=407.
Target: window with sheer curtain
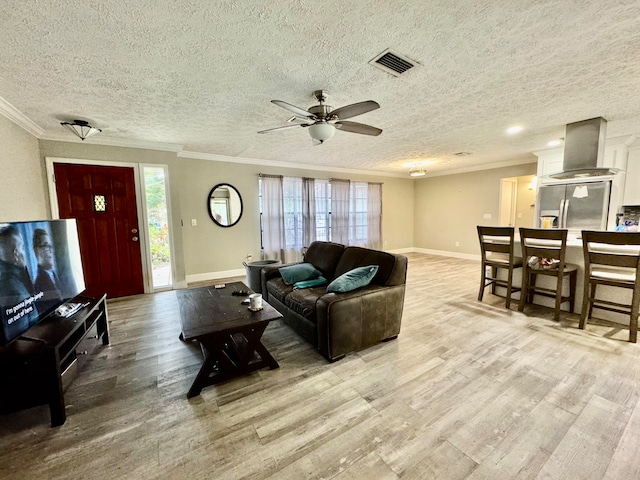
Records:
x=298, y=211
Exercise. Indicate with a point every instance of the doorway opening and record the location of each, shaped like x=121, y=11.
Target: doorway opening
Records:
x=155, y=188
x=518, y=201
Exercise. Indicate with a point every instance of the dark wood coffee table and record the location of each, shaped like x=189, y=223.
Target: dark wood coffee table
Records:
x=228, y=332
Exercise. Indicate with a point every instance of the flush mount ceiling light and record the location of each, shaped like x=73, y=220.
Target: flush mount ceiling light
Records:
x=81, y=128
x=417, y=171
x=554, y=143
x=513, y=130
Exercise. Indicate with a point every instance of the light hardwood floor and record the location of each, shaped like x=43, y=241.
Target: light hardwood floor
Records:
x=469, y=390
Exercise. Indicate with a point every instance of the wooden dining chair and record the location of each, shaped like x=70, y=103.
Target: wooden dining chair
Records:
x=544, y=253
x=497, y=250
x=611, y=259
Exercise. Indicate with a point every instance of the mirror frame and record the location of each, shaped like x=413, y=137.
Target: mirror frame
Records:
x=209, y=205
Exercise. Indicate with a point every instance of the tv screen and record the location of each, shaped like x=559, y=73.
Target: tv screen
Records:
x=40, y=269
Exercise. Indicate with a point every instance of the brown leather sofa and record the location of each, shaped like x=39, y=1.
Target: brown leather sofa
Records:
x=340, y=323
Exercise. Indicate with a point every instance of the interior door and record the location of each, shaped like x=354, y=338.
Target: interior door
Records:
x=103, y=201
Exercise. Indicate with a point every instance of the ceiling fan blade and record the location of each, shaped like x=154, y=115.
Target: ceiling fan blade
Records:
x=353, y=110
x=360, y=128
x=292, y=108
x=282, y=128
x=298, y=119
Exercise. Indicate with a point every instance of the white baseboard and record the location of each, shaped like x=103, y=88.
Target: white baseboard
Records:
x=446, y=253
x=201, y=277
x=401, y=250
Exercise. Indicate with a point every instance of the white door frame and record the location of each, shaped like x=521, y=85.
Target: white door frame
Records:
x=508, y=199
x=167, y=193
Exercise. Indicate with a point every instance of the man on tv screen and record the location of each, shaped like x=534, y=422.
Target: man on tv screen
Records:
x=47, y=280
x=17, y=308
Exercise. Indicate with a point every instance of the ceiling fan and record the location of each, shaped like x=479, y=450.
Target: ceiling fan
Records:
x=322, y=120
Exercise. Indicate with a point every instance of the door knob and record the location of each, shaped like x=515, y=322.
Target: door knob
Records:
x=135, y=239
x=134, y=230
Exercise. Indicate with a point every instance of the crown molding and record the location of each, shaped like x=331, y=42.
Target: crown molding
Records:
x=20, y=119
x=476, y=168
x=114, y=142
x=275, y=163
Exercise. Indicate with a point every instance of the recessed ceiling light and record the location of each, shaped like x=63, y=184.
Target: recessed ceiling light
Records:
x=554, y=143
x=513, y=130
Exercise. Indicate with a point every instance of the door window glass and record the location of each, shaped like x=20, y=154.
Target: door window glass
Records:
x=158, y=225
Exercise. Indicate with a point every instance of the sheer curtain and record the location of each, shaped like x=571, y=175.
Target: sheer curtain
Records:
x=340, y=211
x=273, y=241
x=322, y=189
x=308, y=211
x=374, y=216
x=297, y=211
x=294, y=219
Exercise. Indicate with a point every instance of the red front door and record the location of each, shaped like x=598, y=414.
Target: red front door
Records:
x=103, y=202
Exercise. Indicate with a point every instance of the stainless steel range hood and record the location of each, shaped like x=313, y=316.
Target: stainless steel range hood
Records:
x=584, y=150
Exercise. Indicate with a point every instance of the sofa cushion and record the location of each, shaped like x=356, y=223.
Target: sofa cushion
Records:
x=316, y=282
x=303, y=301
x=298, y=273
x=325, y=257
x=353, y=279
x=278, y=289
x=359, y=257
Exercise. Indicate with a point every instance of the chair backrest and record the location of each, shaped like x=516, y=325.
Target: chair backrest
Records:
x=497, y=240
x=611, y=249
x=544, y=243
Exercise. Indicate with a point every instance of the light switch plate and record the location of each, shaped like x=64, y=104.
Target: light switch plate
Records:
x=194, y=222
x=487, y=216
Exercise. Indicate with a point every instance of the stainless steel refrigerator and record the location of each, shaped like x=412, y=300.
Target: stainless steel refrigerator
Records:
x=575, y=206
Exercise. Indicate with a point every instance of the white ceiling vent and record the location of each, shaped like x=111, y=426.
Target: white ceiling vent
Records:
x=393, y=63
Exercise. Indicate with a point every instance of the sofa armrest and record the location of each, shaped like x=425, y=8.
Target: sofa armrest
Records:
x=269, y=272
x=351, y=321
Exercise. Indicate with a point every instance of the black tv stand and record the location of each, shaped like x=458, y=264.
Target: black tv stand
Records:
x=31, y=339
x=37, y=367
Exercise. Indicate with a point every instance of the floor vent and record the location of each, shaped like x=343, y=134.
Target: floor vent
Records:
x=393, y=63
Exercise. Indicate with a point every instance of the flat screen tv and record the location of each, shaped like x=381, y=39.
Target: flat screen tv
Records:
x=40, y=269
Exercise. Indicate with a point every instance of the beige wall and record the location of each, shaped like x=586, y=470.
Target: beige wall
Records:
x=23, y=191
x=208, y=248
x=448, y=208
x=431, y=213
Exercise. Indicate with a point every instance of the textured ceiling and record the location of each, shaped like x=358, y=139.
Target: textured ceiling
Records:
x=201, y=74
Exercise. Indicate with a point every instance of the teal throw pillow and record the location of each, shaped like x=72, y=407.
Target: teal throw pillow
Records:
x=356, y=278
x=298, y=273
x=316, y=282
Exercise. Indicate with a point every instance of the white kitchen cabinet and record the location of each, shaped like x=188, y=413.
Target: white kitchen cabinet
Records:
x=632, y=182
x=549, y=162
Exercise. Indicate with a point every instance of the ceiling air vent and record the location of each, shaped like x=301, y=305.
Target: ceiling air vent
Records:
x=393, y=63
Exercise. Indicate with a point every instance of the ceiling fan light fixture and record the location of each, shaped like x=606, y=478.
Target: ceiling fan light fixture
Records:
x=81, y=128
x=417, y=171
x=322, y=131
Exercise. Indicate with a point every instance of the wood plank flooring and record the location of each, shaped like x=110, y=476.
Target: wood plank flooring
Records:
x=469, y=390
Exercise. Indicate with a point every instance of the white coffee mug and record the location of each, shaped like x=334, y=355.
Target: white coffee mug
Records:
x=255, y=301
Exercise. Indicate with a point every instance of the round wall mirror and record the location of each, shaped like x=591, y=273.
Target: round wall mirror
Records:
x=225, y=205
